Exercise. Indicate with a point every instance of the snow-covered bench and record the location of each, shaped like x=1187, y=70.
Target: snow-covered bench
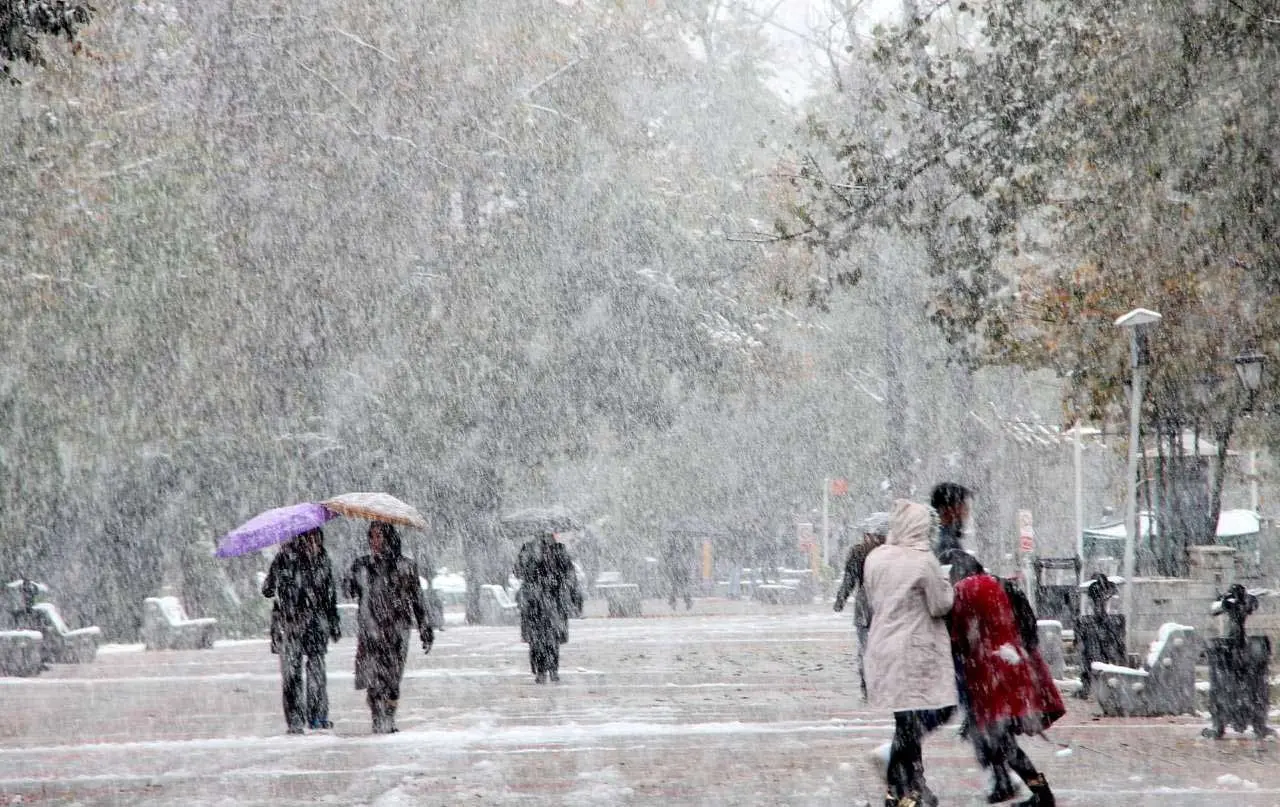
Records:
x=497, y=607
x=623, y=598
x=20, y=652
x=1051, y=648
x=1165, y=686
x=166, y=626
x=62, y=645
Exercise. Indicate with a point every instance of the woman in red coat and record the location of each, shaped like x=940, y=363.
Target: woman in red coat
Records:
x=1011, y=690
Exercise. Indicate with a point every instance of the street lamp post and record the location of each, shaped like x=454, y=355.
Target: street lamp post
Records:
x=1249, y=370
x=1136, y=321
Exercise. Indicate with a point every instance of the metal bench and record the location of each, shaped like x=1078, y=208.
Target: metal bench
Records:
x=166, y=626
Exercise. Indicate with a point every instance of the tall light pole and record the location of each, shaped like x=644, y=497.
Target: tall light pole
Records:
x=1137, y=322
x=1249, y=369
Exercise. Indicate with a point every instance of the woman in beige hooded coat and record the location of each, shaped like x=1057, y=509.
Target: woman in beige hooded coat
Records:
x=908, y=663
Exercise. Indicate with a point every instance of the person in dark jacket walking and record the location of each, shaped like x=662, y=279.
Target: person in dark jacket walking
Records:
x=303, y=620
x=677, y=566
x=950, y=500
x=874, y=529
x=385, y=585
x=549, y=594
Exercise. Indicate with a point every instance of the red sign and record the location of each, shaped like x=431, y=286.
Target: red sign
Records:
x=839, y=487
x=1026, y=532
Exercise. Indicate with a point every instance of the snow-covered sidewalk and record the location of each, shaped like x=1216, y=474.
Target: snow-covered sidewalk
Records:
x=732, y=703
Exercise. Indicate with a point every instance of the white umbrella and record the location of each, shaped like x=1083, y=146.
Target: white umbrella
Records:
x=376, y=507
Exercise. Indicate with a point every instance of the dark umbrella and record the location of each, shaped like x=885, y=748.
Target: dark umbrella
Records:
x=533, y=520
x=271, y=528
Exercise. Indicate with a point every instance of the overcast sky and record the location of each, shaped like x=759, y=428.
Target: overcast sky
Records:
x=798, y=27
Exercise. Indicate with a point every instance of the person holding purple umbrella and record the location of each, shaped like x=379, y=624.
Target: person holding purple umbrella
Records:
x=303, y=621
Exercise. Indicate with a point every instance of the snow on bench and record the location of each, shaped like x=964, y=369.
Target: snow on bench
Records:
x=1166, y=686
x=166, y=626
x=63, y=645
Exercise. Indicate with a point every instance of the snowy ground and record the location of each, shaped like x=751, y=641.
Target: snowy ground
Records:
x=733, y=703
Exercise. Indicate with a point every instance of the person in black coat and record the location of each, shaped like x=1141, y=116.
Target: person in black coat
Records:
x=549, y=595
x=385, y=585
x=677, y=562
x=303, y=620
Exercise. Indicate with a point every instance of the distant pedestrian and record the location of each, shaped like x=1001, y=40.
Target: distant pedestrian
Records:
x=677, y=565
x=24, y=615
x=549, y=594
x=1010, y=688
x=950, y=500
x=304, y=618
x=874, y=530
x=1101, y=635
x=385, y=584
x=908, y=660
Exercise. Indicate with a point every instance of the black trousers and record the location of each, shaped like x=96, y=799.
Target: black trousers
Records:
x=305, y=702
x=544, y=654
x=998, y=749
x=906, y=760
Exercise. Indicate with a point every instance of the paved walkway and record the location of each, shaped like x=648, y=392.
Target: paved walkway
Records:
x=730, y=704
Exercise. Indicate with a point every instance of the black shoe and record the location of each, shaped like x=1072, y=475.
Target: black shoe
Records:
x=1041, y=795
x=321, y=725
x=540, y=678
x=295, y=730
x=555, y=677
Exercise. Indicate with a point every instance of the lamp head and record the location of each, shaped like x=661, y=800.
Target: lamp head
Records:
x=1137, y=317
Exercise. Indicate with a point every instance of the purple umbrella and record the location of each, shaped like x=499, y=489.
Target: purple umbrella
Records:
x=271, y=528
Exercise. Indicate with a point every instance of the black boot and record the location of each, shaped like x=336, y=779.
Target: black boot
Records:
x=1002, y=789
x=923, y=795
x=378, y=710
x=1041, y=795
x=391, y=716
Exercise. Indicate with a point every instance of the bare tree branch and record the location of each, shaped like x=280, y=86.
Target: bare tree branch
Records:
x=557, y=112
x=360, y=41
x=333, y=87
x=554, y=75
